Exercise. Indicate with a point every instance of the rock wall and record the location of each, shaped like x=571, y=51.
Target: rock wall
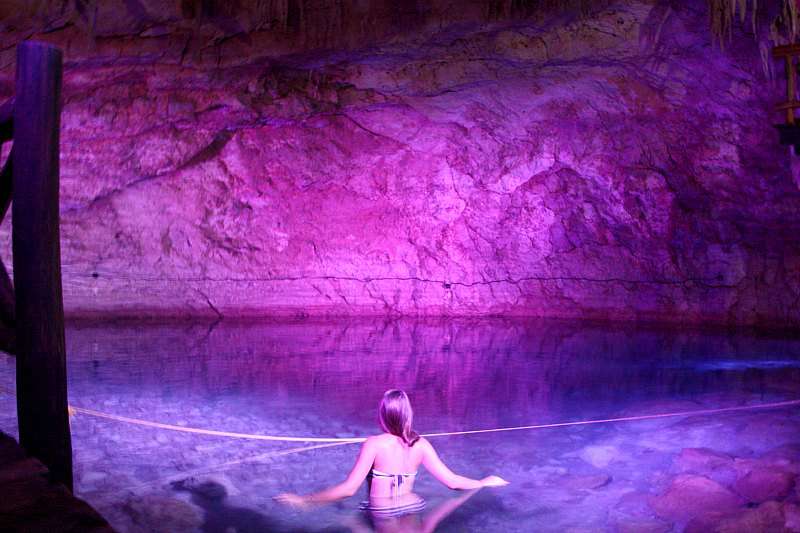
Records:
x=615, y=166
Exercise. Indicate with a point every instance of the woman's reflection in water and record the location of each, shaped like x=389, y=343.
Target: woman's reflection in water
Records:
x=407, y=523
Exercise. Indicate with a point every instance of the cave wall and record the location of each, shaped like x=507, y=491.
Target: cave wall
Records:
x=478, y=162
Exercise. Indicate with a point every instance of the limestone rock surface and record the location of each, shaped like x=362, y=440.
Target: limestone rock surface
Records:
x=616, y=167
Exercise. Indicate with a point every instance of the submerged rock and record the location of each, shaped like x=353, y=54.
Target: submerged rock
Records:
x=701, y=460
x=767, y=517
x=791, y=515
x=762, y=484
x=599, y=456
x=585, y=482
x=642, y=525
x=689, y=496
x=160, y=513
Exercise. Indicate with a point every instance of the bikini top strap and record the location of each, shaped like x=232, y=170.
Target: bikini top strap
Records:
x=377, y=473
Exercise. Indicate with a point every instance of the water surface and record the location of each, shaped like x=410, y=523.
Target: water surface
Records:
x=324, y=379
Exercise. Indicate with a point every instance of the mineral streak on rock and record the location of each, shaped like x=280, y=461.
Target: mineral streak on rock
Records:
x=611, y=167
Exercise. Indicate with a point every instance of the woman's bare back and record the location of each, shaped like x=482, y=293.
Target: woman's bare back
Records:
x=395, y=466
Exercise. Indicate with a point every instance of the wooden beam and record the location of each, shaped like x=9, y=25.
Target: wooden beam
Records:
x=8, y=340
x=6, y=185
x=790, y=88
x=41, y=357
x=8, y=331
x=786, y=50
x=788, y=105
x=7, y=304
x=7, y=120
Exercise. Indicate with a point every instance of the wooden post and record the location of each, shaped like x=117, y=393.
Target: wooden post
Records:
x=790, y=88
x=41, y=357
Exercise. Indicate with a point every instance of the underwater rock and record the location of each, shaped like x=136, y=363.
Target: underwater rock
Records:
x=585, y=482
x=767, y=517
x=701, y=460
x=791, y=514
x=763, y=484
x=599, y=456
x=160, y=513
x=689, y=496
x=643, y=525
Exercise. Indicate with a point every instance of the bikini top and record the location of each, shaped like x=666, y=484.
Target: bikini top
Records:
x=397, y=479
x=377, y=473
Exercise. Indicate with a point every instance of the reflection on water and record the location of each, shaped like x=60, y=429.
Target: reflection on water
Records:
x=461, y=372
x=325, y=379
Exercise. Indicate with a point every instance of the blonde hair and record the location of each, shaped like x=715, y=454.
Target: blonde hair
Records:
x=396, y=416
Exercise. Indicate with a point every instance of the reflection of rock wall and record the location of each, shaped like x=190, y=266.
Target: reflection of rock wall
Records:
x=468, y=370
x=573, y=168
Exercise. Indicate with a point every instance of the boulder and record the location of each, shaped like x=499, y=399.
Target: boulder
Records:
x=762, y=484
x=689, y=496
x=701, y=460
x=791, y=515
x=766, y=518
x=599, y=456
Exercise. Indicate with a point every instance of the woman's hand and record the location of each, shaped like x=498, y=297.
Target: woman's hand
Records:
x=493, y=481
x=292, y=500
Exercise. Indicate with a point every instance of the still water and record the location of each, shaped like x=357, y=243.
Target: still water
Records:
x=325, y=379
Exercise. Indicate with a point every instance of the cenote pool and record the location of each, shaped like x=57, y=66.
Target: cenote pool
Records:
x=325, y=378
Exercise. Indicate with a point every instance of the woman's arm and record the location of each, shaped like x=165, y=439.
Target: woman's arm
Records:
x=431, y=461
x=346, y=488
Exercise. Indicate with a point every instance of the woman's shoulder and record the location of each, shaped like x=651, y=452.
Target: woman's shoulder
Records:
x=388, y=438
x=379, y=439
x=424, y=443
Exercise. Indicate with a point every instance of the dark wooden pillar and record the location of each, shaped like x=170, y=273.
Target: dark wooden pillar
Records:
x=41, y=358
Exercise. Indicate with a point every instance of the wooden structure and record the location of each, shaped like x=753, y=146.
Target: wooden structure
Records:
x=790, y=130
x=31, y=311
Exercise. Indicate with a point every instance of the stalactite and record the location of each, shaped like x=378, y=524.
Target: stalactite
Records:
x=783, y=29
x=322, y=23
x=722, y=13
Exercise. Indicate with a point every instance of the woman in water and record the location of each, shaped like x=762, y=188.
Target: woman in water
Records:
x=389, y=462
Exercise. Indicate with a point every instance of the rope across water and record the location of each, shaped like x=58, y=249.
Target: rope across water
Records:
x=327, y=442
x=350, y=440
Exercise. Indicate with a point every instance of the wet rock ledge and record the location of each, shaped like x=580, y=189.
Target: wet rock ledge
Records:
x=31, y=503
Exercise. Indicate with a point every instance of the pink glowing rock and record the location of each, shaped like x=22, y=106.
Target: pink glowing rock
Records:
x=701, y=460
x=791, y=515
x=761, y=484
x=690, y=496
x=566, y=167
x=768, y=516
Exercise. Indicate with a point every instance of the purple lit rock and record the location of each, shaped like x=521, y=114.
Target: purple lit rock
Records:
x=791, y=514
x=761, y=481
x=761, y=485
x=689, y=496
x=702, y=460
x=552, y=167
x=768, y=516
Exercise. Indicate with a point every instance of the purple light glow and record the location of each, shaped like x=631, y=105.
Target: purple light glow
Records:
x=393, y=196
x=324, y=379
x=566, y=170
